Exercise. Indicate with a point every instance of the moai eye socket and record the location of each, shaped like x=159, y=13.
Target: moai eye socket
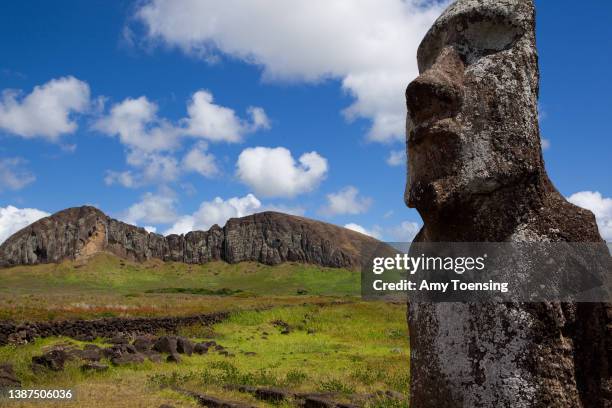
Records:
x=473, y=35
x=486, y=37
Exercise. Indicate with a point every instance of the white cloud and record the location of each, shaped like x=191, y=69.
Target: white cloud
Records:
x=152, y=209
x=138, y=126
x=375, y=233
x=273, y=172
x=259, y=118
x=150, y=228
x=545, y=143
x=396, y=158
x=45, y=112
x=12, y=174
x=136, y=123
x=124, y=178
x=217, y=211
x=150, y=139
x=199, y=161
x=13, y=219
x=346, y=201
x=369, y=45
x=218, y=123
x=600, y=206
x=150, y=168
x=405, y=231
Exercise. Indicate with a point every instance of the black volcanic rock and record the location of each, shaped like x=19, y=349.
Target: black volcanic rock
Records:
x=268, y=237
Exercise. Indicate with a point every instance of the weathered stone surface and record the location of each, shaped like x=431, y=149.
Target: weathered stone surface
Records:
x=53, y=359
x=166, y=344
x=184, y=346
x=201, y=348
x=8, y=379
x=269, y=237
x=173, y=358
x=144, y=343
x=476, y=174
x=127, y=358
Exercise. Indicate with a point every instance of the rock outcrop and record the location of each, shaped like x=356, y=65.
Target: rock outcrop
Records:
x=476, y=174
x=268, y=237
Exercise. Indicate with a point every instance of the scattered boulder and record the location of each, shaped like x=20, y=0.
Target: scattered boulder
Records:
x=285, y=328
x=184, y=346
x=8, y=378
x=127, y=358
x=19, y=338
x=89, y=354
x=166, y=344
x=153, y=356
x=53, y=359
x=119, y=339
x=84, y=337
x=272, y=394
x=173, y=358
x=144, y=343
x=213, y=402
x=201, y=348
x=114, y=351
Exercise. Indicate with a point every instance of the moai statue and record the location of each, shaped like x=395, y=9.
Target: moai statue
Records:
x=476, y=174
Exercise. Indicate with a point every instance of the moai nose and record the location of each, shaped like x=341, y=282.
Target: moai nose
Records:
x=437, y=92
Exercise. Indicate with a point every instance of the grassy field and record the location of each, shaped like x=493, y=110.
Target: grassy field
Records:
x=353, y=348
x=350, y=348
x=107, y=286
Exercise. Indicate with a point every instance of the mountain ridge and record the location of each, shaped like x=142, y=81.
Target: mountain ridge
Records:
x=268, y=237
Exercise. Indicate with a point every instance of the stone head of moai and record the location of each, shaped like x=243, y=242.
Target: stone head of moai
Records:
x=472, y=124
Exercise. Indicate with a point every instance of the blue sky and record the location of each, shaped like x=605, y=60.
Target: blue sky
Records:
x=178, y=114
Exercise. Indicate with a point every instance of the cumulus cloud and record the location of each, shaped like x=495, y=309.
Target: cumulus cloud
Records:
x=13, y=176
x=47, y=111
x=12, y=219
x=150, y=168
x=137, y=125
x=375, y=233
x=405, y=231
x=346, y=201
x=218, y=123
x=152, y=209
x=369, y=45
x=201, y=162
x=396, y=158
x=217, y=211
x=151, y=140
x=273, y=172
x=600, y=206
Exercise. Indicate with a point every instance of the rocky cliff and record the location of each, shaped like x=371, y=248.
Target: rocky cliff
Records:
x=267, y=237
